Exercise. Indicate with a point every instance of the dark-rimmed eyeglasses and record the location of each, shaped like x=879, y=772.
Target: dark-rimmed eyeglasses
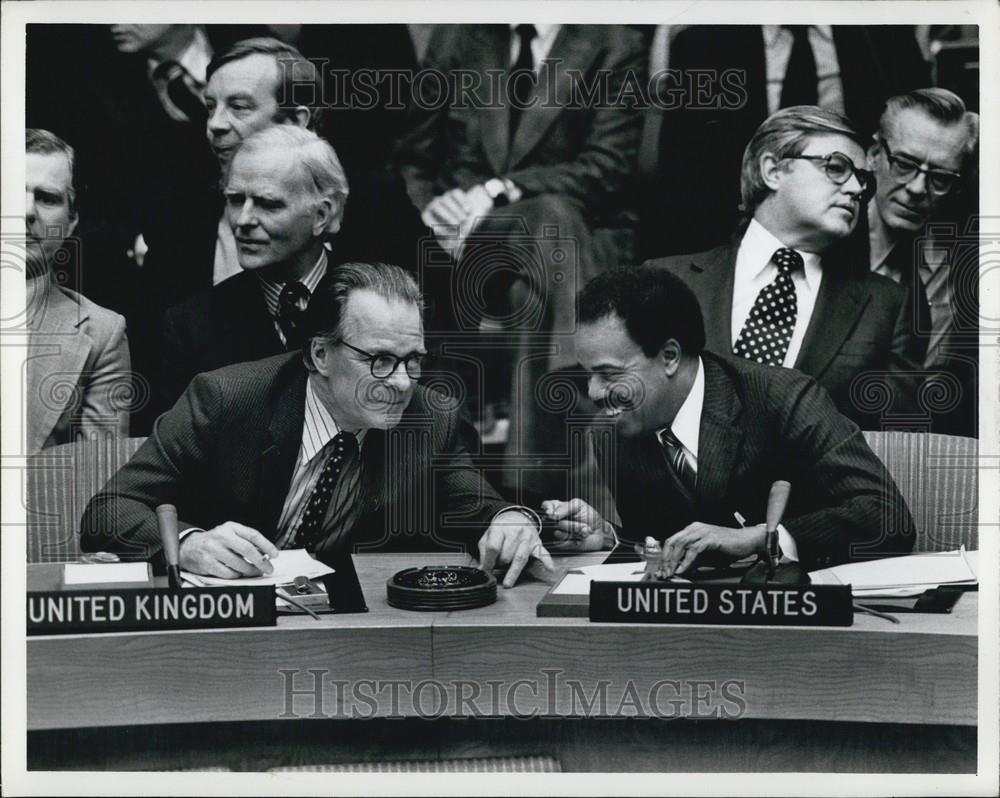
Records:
x=384, y=365
x=839, y=169
x=904, y=169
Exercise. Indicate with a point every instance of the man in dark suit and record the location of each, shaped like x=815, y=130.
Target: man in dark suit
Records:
x=331, y=449
x=754, y=71
x=923, y=156
x=286, y=193
x=526, y=181
x=779, y=296
x=688, y=439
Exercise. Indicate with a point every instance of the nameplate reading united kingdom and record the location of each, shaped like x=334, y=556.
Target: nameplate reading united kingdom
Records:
x=737, y=605
x=149, y=609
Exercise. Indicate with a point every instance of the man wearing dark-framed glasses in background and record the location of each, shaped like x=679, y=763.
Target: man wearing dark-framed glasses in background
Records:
x=924, y=159
x=781, y=292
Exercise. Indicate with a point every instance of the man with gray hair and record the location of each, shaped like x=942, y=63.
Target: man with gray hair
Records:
x=778, y=294
x=333, y=448
x=285, y=196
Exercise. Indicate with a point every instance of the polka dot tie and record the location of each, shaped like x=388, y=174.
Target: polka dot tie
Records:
x=768, y=329
x=308, y=535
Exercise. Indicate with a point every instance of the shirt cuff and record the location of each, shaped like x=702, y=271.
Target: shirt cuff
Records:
x=789, y=551
x=188, y=531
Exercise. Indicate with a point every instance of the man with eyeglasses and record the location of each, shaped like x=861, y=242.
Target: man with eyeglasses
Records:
x=925, y=145
x=334, y=448
x=780, y=295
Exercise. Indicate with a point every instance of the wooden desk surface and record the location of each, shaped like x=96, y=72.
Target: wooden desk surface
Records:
x=379, y=663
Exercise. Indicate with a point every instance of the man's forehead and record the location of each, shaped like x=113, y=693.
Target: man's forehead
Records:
x=248, y=74
x=919, y=135
x=273, y=167
x=605, y=342
x=379, y=320
x=834, y=142
x=49, y=168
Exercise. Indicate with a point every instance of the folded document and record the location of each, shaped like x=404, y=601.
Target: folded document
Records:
x=902, y=576
x=289, y=564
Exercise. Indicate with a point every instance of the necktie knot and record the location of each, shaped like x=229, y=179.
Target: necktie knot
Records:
x=526, y=32
x=797, y=31
x=787, y=260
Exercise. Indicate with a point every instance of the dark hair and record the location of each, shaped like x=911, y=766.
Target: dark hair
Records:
x=654, y=304
x=44, y=142
x=786, y=133
x=299, y=83
x=326, y=307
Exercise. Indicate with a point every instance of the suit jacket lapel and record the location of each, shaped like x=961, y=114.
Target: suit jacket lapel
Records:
x=839, y=305
x=277, y=460
x=494, y=119
x=245, y=327
x=710, y=276
x=571, y=53
x=58, y=347
x=719, y=438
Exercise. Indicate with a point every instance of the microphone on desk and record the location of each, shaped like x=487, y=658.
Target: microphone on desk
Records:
x=166, y=518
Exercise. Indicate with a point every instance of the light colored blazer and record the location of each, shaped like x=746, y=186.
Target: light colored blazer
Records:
x=78, y=374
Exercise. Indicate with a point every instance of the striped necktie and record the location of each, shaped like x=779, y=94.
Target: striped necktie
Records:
x=673, y=453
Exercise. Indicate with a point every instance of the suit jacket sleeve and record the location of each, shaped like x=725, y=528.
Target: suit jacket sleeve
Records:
x=854, y=510
x=607, y=159
x=906, y=357
x=465, y=500
x=167, y=468
x=107, y=382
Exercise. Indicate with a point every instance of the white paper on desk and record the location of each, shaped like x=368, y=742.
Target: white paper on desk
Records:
x=901, y=576
x=289, y=564
x=105, y=573
x=577, y=581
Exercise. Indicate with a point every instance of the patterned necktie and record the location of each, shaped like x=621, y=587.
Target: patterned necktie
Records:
x=768, y=329
x=180, y=94
x=294, y=296
x=308, y=535
x=800, y=84
x=522, y=76
x=673, y=453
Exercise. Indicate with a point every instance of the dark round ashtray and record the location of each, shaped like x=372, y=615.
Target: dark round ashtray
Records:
x=441, y=587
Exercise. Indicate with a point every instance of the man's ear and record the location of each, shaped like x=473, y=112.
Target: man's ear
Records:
x=873, y=152
x=670, y=357
x=72, y=224
x=319, y=352
x=324, y=217
x=302, y=116
x=770, y=170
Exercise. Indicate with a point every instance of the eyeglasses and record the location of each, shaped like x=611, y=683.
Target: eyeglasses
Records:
x=839, y=168
x=384, y=366
x=939, y=181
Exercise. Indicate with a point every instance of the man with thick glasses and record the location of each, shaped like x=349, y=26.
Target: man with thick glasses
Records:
x=333, y=448
x=922, y=155
x=780, y=294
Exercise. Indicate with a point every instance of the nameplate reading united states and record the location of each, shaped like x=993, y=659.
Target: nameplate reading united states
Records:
x=737, y=605
x=149, y=609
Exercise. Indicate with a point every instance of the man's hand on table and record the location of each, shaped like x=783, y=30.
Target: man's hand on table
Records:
x=512, y=540
x=230, y=550
x=579, y=527
x=710, y=544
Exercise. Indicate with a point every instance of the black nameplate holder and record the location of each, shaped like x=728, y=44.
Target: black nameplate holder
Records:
x=87, y=611
x=728, y=604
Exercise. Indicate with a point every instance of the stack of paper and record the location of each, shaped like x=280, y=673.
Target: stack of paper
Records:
x=577, y=581
x=289, y=564
x=902, y=576
x=118, y=573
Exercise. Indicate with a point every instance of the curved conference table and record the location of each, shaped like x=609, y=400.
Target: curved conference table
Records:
x=911, y=686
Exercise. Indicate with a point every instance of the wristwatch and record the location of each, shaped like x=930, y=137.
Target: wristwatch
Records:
x=497, y=191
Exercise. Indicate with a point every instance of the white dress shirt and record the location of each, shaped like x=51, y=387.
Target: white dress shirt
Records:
x=778, y=43
x=540, y=45
x=754, y=271
x=686, y=426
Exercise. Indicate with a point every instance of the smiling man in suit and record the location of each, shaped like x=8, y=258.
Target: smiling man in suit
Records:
x=334, y=448
x=285, y=195
x=778, y=296
x=78, y=356
x=523, y=168
x=687, y=439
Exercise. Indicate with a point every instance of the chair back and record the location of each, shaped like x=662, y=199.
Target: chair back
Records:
x=939, y=479
x=60, y=482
